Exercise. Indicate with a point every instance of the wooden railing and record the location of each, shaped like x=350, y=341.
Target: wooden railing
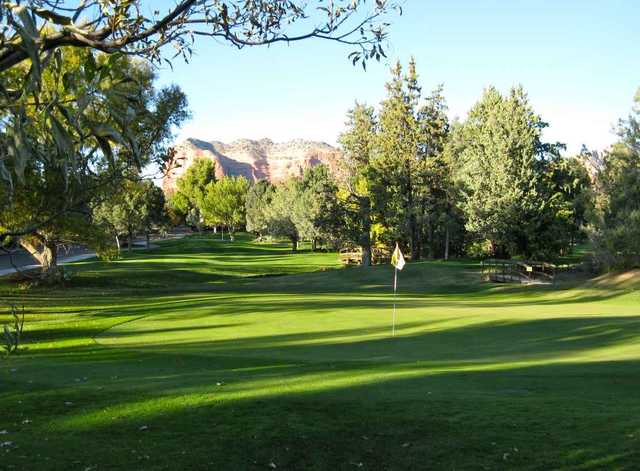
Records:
x=517, y=271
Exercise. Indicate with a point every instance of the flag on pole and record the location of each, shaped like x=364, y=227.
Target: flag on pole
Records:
x=397, y=259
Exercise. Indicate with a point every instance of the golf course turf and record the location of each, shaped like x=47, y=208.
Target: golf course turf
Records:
x=202, y=354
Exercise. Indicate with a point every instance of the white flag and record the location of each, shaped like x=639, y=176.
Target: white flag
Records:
x=397, y=259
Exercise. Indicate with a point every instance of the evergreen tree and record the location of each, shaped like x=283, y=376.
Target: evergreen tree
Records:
x=350, y=214
x=312, y=194
x=434, y=207
x=409, y=173
x=618, y=219
x=511, y=194
x=394, y=166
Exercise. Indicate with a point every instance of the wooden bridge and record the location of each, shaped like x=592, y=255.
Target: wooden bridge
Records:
x=353, y=256
x=518, y=271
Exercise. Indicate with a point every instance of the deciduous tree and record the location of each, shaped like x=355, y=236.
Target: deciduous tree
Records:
x=223, y=203
x=258, y=199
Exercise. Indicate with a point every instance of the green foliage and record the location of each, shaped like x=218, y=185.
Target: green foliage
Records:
x=223, y=203
x=314, y=192
x=295, y=209
x=134, y=207
x=279, y=213
x=479, y=249
x=617, y=220
x=407, y=176
x=191, y=188
x=497, y=166
x=92, y=121
x=80, y=113
x=395, y=164
x=349, y=215
x=257, y=201
x=516, y=191
x=93, y=118
x=156, y=217
x=33, y=29
x=437, y=188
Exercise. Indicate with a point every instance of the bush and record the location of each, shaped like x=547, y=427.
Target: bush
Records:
x=478, y=249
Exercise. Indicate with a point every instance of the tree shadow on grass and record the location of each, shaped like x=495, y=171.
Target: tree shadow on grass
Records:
x=430, y=341
x=248, y=412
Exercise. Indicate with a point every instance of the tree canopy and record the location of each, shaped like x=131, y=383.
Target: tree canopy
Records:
x=223, y=203
x=48, y=202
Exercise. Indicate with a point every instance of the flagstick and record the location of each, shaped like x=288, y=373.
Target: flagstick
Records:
x=395, y=284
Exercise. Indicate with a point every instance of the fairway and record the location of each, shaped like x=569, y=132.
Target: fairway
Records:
x=204, y=354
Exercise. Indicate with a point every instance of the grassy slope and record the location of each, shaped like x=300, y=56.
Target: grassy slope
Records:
x=230, y=369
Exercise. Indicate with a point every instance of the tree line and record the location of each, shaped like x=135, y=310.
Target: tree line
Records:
x=80, y=120
x=485, y=186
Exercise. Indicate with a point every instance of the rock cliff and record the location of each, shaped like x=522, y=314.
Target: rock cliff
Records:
x=255, y=160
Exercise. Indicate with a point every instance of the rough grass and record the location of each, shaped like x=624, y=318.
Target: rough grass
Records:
x=209, y=355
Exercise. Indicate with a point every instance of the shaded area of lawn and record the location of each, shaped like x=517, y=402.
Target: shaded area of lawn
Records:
x=192, y=357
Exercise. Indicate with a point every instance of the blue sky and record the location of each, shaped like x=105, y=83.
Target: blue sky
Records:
x=578, y=60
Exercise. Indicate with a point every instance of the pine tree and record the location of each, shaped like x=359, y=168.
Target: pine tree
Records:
x=394, y=165
x=409, y=172
x=352, y=214
x=618, y=221
x=501, y=169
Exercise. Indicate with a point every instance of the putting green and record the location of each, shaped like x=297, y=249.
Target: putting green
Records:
x=346, y=315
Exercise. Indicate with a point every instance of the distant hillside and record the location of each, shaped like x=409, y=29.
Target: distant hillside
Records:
x=255, y=160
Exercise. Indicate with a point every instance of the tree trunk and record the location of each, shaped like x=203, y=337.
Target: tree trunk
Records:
x=366, y=256
x=45, y=252
x=130, y=241
x=314, y=244
x=365, y=237
x=118, y=243
x=492, y=248
x=414, y=236
x=294, y=244
x=446, y=243
x=49, y=260
x=232, y=233
x=222, y=232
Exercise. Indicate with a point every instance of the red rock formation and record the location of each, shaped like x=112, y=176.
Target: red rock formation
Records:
x=255, y=160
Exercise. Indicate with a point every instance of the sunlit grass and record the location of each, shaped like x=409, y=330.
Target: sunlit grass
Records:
x=211, y=355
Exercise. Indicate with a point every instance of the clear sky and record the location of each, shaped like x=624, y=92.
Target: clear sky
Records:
x=579, y=60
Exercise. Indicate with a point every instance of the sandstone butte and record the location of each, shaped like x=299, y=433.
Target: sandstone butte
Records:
x=254, y=160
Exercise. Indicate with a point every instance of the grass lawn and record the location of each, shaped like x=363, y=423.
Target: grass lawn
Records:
x=209, y=355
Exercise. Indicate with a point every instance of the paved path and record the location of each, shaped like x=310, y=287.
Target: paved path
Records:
x=20, y=258
x=24, y=261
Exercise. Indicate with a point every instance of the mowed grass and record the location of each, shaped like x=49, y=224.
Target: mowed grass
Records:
x=209, y=355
